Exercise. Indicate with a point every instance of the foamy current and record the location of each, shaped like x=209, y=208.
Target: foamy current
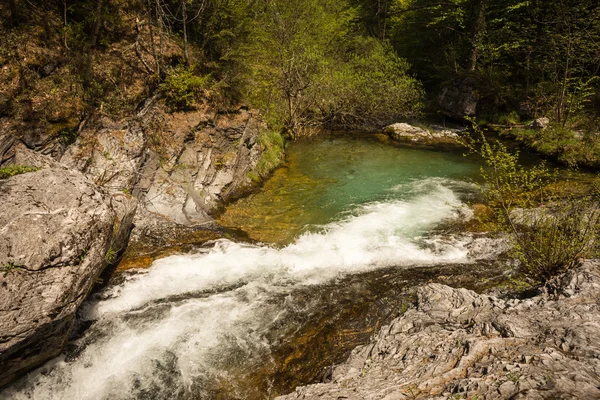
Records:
x=174, y=329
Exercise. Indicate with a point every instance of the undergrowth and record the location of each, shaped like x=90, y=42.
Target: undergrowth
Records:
x=550, y=231
x=272, y=144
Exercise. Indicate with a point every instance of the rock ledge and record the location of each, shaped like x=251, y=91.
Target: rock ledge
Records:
x=458, y=344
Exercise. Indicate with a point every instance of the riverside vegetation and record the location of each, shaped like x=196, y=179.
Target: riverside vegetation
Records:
x=551, y=230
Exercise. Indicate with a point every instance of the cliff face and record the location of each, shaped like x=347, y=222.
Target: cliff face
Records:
x=457, y=344
x=183, y=166
x=58, y=231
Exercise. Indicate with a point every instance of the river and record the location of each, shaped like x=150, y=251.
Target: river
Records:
x=334, y=238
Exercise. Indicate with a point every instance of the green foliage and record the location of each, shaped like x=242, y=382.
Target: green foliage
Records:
x=182, y=87
x=307, y=68
x=511, y=118
x=272, y=145
x=69, y=135
x=12, y=170
x=540, y=57
x=549, y=233
x=110, y=256
x=8, y=268
x=372, y=87
x=573, y=148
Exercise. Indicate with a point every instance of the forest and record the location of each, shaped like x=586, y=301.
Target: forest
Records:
x=306, y=64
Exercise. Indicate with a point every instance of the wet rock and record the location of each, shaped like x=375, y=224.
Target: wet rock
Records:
x=455, y=342
x=58, y=231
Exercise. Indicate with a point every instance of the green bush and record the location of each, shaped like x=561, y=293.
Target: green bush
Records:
x=549, y=232
x=12, y=170
x=182, y=86
x=512, y=118
x=371, y=86
x=564, y=144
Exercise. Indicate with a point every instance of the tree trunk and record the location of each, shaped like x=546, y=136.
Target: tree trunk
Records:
x=185, y=40
x=65, y=43
x=152, y=44
x=478, y=29
x=97, y=24
x=14, y=16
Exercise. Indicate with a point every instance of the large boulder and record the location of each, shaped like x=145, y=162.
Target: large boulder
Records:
x=460, y=97
x=58, y=231
x=457, y=343
x=539, y=123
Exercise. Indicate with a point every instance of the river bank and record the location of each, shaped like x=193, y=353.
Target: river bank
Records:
x=454, y=343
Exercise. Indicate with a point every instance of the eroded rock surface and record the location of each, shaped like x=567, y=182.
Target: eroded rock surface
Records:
x=183, y=166
x=458, y=343
x=58, y=231
x=461, y=97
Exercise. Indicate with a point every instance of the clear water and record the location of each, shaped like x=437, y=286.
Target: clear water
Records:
x=196, y=326
x=324, y=180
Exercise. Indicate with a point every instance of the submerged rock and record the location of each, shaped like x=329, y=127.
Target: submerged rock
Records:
x=456, y=342
x=58, y=231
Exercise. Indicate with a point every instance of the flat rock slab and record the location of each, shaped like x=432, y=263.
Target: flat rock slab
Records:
x=433, y=135
x=458, y=343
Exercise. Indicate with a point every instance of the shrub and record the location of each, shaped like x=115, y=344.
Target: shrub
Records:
x=182, y=86
x=549, y=232
x=110, y=256
x=512, y=118
x=8, y=268
x=12, y=170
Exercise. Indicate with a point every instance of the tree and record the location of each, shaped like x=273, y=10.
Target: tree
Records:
x=540, y=54
x=308, y=67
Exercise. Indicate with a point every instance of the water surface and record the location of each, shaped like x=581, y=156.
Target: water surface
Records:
x=325, y=179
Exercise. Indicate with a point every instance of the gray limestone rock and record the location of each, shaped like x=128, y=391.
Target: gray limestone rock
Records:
x=458, y=343
x=405, y=132
x=540, y=123
x=58, y=231
x=460, y=98
x=182, y=166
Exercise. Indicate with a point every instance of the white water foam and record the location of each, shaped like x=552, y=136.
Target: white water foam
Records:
x=164, y=330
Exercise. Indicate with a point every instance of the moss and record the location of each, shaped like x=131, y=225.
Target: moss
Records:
x=563, y=144
x=13, y=170
x=272, y=144
x=253, y=177
x=510, y=119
